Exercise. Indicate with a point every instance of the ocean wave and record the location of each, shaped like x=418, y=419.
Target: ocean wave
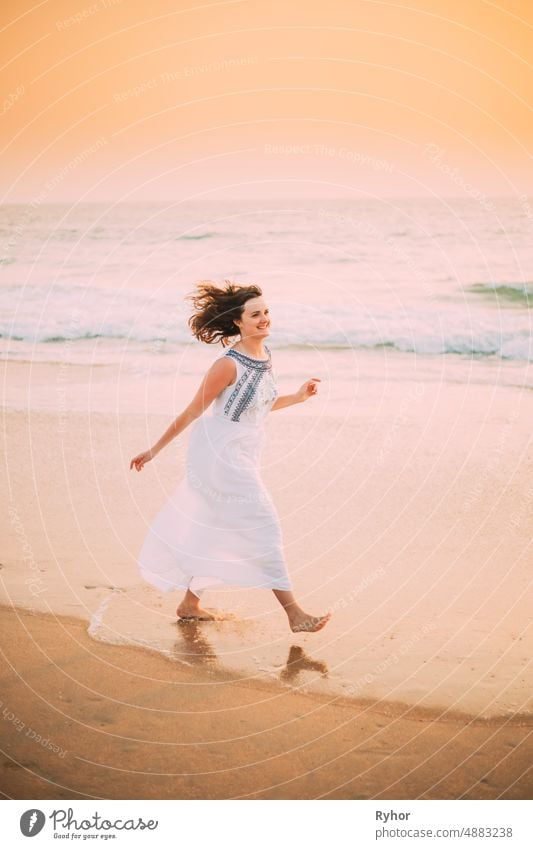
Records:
x=508, y=346
x=105, y=317
x=195, y=237
x=520, y=294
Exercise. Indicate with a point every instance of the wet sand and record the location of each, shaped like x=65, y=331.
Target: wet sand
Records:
x=84, y=720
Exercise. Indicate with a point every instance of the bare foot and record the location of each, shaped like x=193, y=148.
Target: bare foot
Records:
x=304, y=622
x=189, y=612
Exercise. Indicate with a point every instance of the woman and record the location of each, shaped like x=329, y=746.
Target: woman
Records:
x=220, y=525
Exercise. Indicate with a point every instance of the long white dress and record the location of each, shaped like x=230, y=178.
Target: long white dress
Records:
x=220, y=525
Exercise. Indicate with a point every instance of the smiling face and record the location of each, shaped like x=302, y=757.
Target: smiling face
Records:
x=255, y=319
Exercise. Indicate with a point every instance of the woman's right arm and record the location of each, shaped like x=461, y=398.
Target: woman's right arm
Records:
x=219, y=375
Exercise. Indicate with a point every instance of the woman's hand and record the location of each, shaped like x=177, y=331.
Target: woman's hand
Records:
x=307, y=389
x=141, y=459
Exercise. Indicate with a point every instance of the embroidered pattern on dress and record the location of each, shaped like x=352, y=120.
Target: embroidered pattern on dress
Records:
x=242, y=379
x=247, y=396
x=246, y=386
x=250, y=362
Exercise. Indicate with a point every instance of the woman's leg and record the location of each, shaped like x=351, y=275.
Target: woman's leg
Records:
x=299, y=620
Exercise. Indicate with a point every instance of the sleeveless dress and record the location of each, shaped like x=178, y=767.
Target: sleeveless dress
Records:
x=220, y=525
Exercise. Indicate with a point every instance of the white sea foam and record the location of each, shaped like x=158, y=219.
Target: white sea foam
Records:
x=89, y=284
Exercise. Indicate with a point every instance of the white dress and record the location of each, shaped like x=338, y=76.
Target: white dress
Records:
x=220, y=525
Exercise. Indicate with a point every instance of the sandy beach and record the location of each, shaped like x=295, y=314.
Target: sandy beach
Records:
x=84, y=720
x=406, y=512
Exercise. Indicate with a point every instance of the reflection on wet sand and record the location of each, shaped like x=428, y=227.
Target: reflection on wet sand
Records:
x=195, y=648
x=299, y=661
x=198, y=649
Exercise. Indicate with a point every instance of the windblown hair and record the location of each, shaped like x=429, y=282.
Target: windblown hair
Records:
x=216, y=308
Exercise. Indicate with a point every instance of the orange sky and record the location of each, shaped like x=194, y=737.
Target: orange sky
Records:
x=128, y=100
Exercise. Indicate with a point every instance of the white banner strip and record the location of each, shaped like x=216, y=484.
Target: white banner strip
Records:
x=270, y=823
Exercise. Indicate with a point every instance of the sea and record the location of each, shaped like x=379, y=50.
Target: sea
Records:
x=436, y=287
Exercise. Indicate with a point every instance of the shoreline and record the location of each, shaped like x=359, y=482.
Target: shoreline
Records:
x=143, y=386
x=184, y=733
x=384, y=707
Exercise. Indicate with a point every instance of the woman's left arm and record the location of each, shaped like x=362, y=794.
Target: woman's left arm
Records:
x=305, y=391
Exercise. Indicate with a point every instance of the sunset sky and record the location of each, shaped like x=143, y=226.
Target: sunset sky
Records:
x=127, y=100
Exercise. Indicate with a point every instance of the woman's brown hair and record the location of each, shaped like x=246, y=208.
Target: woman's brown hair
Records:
x=216, y=308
